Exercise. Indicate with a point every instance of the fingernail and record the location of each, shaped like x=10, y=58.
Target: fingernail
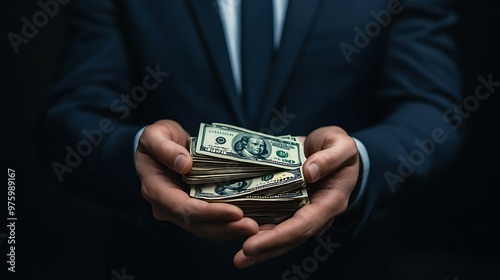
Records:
x=314, y=170
x=179, y=162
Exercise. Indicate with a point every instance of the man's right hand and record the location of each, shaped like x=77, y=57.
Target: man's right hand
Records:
x=160, y=159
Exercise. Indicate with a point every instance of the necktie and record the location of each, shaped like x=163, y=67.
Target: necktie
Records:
x=256, y=49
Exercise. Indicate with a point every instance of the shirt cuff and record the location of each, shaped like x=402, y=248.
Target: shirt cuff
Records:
x=365, y=171
x=136, y=140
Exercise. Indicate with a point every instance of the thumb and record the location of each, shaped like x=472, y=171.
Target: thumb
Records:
x=330, y=153
x=166, y=141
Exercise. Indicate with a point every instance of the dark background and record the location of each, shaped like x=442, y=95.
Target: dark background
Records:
x=452, y=231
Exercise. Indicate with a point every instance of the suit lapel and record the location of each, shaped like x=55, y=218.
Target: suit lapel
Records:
x=298, y=22
x=207, y=17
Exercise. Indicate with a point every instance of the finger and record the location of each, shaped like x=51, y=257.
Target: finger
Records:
x=340, y=153
x=273, y=243
x=313, y=219
x=322, y=138
x=224, y=230
x=173, y=204
x=282, y=238
x=213, y=221
x=217, y=230
x=325, y=227
x=241, y=260
x=267, y=226
x=166, y=141
x=289, y=233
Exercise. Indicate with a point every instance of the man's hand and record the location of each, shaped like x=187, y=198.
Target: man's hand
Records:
x=160, y=159
x=333, y=166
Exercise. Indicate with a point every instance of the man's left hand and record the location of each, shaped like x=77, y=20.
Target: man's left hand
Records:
x=332, y=169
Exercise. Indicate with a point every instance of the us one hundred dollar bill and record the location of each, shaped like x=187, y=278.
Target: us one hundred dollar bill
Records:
x=299, y=194
x=280, y=182
x=238, y=144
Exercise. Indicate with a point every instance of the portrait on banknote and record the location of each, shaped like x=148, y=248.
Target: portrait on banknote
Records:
x=233, y=187
x=251, y=146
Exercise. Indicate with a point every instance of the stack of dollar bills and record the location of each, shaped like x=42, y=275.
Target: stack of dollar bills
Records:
x=260, y=173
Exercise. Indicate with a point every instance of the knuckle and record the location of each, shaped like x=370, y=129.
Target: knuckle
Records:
x=351, y=148
x=178, y=212
x=149, y=131
x=308, y=232
x=144, y=192
x=157, y=215
x=326, y=157
x=343, y=207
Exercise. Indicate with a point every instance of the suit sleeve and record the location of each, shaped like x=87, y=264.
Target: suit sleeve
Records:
x=419, y=82
x=87, y=132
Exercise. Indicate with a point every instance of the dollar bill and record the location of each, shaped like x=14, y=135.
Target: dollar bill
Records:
x=281, y=181
x=238, y=144
x=295, y=195
x=259, y=173
x=269, y=211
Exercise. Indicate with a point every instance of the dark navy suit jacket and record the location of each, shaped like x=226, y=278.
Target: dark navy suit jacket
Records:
x=387, y=80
